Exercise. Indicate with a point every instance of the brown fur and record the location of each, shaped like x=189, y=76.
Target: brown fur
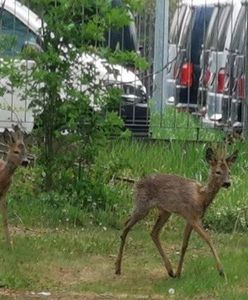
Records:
x=16, y=156
x=185, y=197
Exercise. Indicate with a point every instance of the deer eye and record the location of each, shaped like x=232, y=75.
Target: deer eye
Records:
x=17, y=152
x=218, y=172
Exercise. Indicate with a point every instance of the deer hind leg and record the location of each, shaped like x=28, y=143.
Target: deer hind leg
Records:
x=200, y=230
x=136, y=217
x=3, y=207
x=163, y=217
x=186, y=236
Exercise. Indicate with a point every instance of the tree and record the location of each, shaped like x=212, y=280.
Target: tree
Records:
x=76, y=107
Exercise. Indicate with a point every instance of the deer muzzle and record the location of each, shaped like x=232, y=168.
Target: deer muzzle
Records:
x=25, y=163
x=227, y=184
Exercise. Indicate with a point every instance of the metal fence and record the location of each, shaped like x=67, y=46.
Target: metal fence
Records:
x=203, y=65
x=206, y=75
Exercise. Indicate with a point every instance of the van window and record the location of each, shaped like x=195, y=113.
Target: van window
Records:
x=176, y=24
x=200, y=26
x=224, y=22
x=238, y=36
x=187, y=27
x=124, y=39
x=216, y=34
x=13, y=35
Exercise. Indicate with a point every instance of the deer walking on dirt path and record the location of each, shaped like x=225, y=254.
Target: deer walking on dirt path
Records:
x=185, y=197
x=16, y=156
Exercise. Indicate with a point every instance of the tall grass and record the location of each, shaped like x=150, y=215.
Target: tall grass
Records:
x=32, y=207
x=230, y=209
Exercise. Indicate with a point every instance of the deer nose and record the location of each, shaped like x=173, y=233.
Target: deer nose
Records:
x=226, y=184
x=25, y=163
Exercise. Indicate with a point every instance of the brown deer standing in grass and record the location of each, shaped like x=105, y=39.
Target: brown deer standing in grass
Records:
x=185, y=197
x=16, y=156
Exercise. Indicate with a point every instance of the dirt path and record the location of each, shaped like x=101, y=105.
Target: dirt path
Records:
x=28, y=295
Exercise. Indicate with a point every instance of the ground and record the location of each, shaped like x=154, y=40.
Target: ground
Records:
x=78, y=263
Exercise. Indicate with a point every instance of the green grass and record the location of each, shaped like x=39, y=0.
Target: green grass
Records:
x=173, y=124
x=81, y=262
x=229, y=211
x=70, y=252
x=133, y=159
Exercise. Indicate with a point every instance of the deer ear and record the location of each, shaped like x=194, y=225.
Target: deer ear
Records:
x=232, y=158
x=8, y=137
x=15, y=128
x=17, y=132
x=210, y=156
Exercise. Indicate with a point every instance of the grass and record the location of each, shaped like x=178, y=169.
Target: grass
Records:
x=133, y=159
x=173, y=124
x=229, y=211
x=81, y=262
x=70, y=252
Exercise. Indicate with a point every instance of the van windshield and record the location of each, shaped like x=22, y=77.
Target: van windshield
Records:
x=216, y=34
x=238, y=36
x=187, y=26
x=13, y=35
x=194, y=31
x=176, y=24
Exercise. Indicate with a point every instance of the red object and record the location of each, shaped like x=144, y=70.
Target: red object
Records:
x=186, y=74
x=206, y=78
x=241, y=87
x=221, y=81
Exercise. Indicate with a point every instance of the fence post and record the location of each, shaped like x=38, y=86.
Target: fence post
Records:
x=245, y=105
x=160, y=53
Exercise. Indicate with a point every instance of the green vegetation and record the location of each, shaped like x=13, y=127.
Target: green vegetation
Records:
x=66, y=243
x=107, y=201
x=79, y=264
x=67, y=210
x=173, y=124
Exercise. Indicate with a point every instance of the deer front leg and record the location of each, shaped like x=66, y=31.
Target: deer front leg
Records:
x=4, y=211
x=200, y=230
x=186, y=236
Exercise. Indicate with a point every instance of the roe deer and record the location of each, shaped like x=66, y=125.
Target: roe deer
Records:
x=185, y=197
x=16, y=156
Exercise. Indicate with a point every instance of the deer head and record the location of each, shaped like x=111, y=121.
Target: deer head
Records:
x=17, y=153
x=220, y=165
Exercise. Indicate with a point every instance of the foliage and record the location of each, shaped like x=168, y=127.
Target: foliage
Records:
x=77, y=110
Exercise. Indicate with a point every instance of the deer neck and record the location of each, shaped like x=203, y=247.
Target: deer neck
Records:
x=211, y=190
x=7, y=169
x=10, y=167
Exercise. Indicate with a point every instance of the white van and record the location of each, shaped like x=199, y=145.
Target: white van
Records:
x=19, y=21
x=214, y=42
x=175, y=29
x=183, y=19
x=217, y=64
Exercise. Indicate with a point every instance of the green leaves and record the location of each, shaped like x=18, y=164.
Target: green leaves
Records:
x=76, y=103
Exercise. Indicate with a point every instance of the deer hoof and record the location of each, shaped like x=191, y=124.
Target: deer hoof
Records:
x=178, y=275
x=171, y=274
x=222, y=273
x=118, y=272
